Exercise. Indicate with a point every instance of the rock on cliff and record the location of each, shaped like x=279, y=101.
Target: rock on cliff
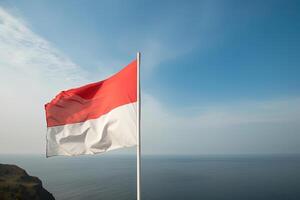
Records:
x=16, y=184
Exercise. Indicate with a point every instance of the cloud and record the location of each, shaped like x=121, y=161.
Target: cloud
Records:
x=27, y=53
x=247, y=127
x=183, y=29
x=32, y=71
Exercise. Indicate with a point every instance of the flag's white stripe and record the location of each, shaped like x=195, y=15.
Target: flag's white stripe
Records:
x=113, y=130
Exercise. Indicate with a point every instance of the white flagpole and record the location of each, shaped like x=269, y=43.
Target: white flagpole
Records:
x=138, y=146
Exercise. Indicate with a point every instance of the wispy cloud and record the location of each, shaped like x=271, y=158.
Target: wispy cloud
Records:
x=246, y=127
x=27, y=53
x=177, y=33
x=31, y=72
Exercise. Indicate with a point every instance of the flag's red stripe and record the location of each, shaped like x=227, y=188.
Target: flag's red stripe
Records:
x=93, y=100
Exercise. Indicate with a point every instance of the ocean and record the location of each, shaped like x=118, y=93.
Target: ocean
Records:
x=112, y=177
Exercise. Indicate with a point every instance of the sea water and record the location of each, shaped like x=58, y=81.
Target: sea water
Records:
x=113, y=177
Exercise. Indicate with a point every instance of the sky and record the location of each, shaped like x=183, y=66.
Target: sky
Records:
x=218, y=77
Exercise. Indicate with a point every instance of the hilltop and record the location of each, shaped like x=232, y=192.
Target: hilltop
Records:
x=15, y=183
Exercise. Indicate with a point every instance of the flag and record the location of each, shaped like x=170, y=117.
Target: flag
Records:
x=94, y=118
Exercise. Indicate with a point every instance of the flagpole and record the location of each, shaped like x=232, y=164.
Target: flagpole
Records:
x=138, y=131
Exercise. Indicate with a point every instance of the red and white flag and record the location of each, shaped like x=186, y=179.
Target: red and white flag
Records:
x=94, y=118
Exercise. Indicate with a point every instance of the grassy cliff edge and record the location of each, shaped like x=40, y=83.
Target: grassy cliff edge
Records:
x=16, y=184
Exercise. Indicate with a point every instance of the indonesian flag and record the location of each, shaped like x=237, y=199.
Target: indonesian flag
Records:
x=94, y=118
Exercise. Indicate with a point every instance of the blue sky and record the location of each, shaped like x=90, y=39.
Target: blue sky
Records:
x=231, y=66
x=214, y=50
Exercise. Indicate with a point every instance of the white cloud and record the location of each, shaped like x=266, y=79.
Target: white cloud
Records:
x=32, y=71
x=27, y=53
x=249, y=127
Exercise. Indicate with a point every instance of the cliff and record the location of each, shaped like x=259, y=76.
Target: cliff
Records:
x=16, y=184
